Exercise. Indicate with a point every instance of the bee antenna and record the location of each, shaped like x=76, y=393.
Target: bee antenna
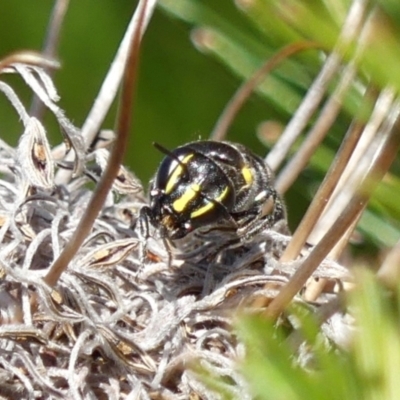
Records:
x=165, y=151
x=169, y=153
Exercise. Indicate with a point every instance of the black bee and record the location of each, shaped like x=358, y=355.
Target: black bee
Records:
x=209, y=186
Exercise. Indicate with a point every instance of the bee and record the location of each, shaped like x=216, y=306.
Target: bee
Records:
x=208, y=187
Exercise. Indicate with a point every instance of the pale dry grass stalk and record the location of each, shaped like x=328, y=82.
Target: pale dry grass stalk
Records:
x=382, y=156
x=351, y=28
x=324, y=192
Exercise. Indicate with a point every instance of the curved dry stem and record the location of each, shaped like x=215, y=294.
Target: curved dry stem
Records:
x=313, y=98
x=28, y=57
x=387, y=148
x=50, y=48
x=114, y=162
x=243, y=93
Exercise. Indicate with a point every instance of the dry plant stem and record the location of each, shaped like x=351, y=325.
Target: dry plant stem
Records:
x=325, y=120
x=50, y=48
x=108, y=90
x=315, y=288
x=378, y=117
x=380, y=164
x=29, y=58
x=325, y=191
x=356, y=166
x=114, y=162
x=242, y=94
x=322, y=196
x=339, y=247
x=111, y=83
x=351, y=29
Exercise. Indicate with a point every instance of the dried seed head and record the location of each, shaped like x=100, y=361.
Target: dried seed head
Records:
x=34, y=156
x=109, y=254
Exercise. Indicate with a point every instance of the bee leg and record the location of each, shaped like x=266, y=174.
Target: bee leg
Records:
x=279, y=212
x=251, y=227
x=265, y=219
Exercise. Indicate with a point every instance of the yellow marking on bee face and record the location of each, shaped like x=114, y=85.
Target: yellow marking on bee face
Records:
x=177, y=172
x=247, y=175
x=209, y=205
x=180, y=204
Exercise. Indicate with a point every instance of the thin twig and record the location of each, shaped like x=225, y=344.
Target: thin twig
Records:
x=114, y=162
x=326, y=189
x=50, y=48
x=243, y=93
x=27, y=58
x=318, y=132
x=108, y=89
x=357, y=164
